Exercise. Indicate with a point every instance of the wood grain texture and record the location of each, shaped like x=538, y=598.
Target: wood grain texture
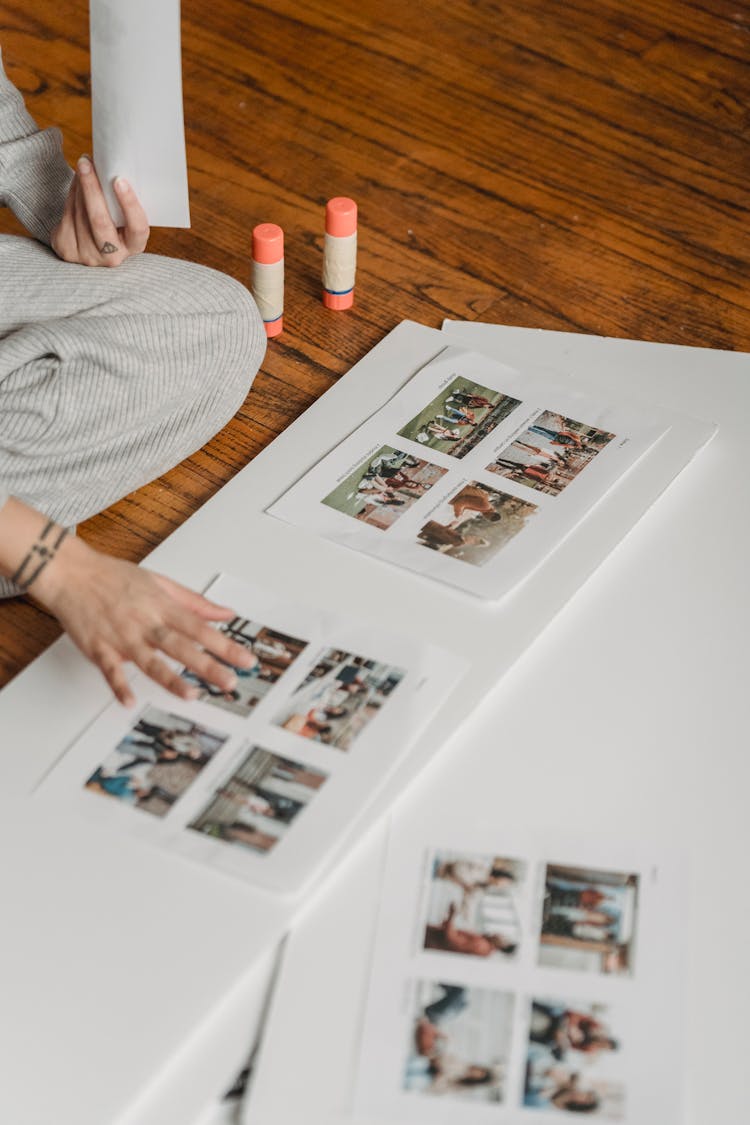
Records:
x=579, y=166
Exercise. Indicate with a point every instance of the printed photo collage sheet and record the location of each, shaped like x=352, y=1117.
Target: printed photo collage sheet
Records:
x=514, y=983
x=262, y=781
x=472, y=473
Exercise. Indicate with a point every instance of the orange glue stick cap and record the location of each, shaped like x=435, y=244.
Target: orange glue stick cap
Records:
x=268, y=243
x=341, y=217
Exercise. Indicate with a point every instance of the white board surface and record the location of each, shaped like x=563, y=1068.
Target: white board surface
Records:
x=649, y=660
x=84, y=925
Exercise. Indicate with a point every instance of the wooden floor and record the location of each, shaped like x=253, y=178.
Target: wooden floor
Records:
x=579, y=166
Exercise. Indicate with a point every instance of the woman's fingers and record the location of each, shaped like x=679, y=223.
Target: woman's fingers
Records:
x=80, y=219
x=86, y=250
x=178, y=642
x=206, y=652
x=203, y=650
x=157, y=669
x=104, y=238
x=110, y=665
x=135, y=229
x=198, y=661
x=216, y=643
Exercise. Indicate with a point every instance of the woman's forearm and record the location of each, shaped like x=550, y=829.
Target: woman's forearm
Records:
x=29, y=545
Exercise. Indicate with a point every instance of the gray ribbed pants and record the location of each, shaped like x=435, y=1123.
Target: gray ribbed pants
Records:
x=109, y=377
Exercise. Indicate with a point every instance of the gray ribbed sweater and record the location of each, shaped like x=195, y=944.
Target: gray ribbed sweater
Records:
x=34, y=177
x=108, y=377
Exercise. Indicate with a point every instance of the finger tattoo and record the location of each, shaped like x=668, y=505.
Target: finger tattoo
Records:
x=40, y=555
x=109, y=248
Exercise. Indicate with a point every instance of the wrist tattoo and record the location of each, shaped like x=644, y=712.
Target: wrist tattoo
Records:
x=40, y=554
x=108, y=248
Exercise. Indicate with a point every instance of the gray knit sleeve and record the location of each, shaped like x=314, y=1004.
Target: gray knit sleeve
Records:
x=34, y=176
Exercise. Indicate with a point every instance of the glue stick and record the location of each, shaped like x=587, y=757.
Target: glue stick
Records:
x=340, y=253
x=268, y=275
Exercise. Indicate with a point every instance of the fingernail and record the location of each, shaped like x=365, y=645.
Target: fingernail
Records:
x=122, y=185
x=191, y=693
x=84, y=165
x=230, y=683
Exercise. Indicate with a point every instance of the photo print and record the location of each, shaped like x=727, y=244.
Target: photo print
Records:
x=573, y=1060
x=588, y=920
x=461, y=416
x=157, y=761
x=550, y=453
x=274, y=653
x=256, y=805
x=473, y=904
x=475, y=523
x=459, y=1042
x=339, y=697
x=384, y=487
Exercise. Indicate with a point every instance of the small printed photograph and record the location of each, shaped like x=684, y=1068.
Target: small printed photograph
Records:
x=473, y=904
x=475, y=524
x=461, y=416
x=384, y=487
x=588, y=920
x=459, y=1042
x=157, y=761
x=339, y=697
x=256, y=805
x=573, y=1060
x=550, y=453
x=273, y=651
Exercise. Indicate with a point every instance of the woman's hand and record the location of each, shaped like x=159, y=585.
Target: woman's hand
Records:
x=86, y=234
x=117, y=612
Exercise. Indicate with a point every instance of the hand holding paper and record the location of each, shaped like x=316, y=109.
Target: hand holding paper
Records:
x=87, y=234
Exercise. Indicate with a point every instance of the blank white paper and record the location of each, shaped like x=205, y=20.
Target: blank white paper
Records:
x=136, y=95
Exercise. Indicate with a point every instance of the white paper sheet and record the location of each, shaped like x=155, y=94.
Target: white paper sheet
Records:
x=474, y=472
x=531, y=966
x=262, y=782
x=136, y=94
